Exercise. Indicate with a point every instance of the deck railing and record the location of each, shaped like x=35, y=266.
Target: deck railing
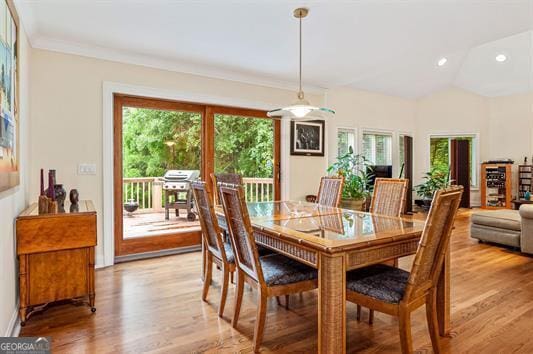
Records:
x=148, y=191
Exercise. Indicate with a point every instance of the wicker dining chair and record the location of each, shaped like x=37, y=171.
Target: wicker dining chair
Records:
x=231, y=178
x=216, y=250
x=389, y=196
x=330, y=191
x=273, y=275
x=388, y=199
x=397, y=292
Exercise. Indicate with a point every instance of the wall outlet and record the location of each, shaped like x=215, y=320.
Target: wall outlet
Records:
x=86, y=169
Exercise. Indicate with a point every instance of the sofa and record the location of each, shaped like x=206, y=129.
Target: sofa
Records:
x=512, y=228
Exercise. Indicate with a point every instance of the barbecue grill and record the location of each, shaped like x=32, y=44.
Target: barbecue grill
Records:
x=177, y=183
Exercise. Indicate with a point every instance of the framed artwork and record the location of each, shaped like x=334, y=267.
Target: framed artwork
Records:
x=307, y=138
x=9, y=124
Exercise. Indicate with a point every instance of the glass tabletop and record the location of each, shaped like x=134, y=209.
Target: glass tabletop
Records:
x=282, y=210
x=347, y=226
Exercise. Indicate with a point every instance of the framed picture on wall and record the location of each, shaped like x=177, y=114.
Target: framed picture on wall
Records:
x=9, y=125
x=307, y=138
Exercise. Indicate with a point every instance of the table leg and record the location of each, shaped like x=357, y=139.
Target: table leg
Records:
x=443, y=296
x=332, y=304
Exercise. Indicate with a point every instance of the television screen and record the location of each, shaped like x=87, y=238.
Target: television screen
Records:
x=383, y=171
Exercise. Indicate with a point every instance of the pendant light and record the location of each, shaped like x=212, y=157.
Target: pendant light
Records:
x=301, y=109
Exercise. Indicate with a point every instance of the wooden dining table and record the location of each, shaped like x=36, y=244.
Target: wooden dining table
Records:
x=335, y=241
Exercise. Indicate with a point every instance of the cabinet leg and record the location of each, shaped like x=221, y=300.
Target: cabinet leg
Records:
x=22, y=313
x=91, y=303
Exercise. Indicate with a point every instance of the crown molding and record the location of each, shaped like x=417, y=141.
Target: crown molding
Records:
x=127, y=57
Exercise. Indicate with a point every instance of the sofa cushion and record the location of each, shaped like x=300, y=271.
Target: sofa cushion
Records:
x=496, y=235
x=501, y=219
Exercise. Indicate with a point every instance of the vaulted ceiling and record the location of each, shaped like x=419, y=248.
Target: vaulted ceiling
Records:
x=390, y=47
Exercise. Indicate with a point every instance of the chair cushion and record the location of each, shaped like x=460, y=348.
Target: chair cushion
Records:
x=379, y=281
x=501, y=219
x=230, y=256
x=281, y=270
x=263, y=251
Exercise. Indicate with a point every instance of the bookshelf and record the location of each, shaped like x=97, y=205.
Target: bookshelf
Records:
x=496, y=186
x=525, y=176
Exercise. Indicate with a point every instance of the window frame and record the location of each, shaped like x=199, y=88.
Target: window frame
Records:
x=390, y=133
x=355, y=139
x=474, y=169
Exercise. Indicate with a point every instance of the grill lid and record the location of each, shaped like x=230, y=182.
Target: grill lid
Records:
x=181, y=175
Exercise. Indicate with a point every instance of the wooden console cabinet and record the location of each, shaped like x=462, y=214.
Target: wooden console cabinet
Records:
x=56, y=257
x=496, y=186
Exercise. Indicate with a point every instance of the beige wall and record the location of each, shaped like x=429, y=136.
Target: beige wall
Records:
x=66, y=98
x=67, y=125
x=370, y=111
x=13, y=201
x=504, y=125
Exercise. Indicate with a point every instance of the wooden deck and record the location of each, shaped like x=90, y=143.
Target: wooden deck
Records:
x=155, y=306
x=154, y=224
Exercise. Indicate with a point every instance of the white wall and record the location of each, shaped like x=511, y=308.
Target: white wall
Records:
x=13, y=201
x=365, y=110
x=503, y=124
x=67, y=125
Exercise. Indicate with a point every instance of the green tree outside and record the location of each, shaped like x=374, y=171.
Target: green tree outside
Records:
x=243, y=146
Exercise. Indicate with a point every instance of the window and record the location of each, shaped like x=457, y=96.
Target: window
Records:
x=345, y=140
x=377, y=148
x=440, y=154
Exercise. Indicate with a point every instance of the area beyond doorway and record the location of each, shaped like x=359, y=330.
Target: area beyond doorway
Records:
x=153, y=137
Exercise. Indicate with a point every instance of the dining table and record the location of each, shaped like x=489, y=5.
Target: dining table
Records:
x=334, y=241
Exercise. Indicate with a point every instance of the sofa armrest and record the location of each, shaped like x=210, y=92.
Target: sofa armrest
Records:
x=526, y=236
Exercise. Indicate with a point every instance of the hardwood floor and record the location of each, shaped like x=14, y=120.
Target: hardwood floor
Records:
x=155, y=306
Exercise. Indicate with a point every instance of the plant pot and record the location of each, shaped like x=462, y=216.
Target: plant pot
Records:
x=130, y=206
x=353, y=204
x=426, y=204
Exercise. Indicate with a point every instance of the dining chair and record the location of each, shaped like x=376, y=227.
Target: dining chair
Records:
x=397, y=292
x=389, y=196
x=389, y=199
x=330, y=191
x=231, y=178
x=273, y=275
x=216, y=250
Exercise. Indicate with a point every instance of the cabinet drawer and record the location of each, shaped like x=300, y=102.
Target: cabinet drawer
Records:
x=58, y=275
x=43, y=234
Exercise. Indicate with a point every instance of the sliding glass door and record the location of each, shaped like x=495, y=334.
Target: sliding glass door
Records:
x=246, y=145
x=161, y=145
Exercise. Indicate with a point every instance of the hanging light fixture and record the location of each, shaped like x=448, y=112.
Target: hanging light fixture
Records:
x=301, y=109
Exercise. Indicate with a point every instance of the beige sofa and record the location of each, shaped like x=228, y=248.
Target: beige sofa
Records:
x=507, y=227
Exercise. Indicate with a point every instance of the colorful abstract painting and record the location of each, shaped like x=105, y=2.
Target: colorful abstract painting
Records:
x=9, y=163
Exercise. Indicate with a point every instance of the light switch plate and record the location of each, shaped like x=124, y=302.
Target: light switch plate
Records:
x=86, y=169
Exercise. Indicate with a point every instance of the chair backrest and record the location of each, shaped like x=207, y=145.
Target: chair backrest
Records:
x=330, y=191
x=208, y=220
x=230, y=178
x=389, y=196
x=240, y=230
x=434, y=243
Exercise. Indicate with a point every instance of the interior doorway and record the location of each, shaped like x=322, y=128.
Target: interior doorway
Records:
x=161, y=145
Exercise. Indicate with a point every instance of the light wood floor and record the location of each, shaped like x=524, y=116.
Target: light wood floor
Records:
x=154, y=306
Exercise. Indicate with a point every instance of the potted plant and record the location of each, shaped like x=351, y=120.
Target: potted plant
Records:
x=355, y=169
x=434, y=180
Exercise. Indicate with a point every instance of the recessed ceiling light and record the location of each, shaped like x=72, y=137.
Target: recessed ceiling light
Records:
x=501, y=58
x=442, y=61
